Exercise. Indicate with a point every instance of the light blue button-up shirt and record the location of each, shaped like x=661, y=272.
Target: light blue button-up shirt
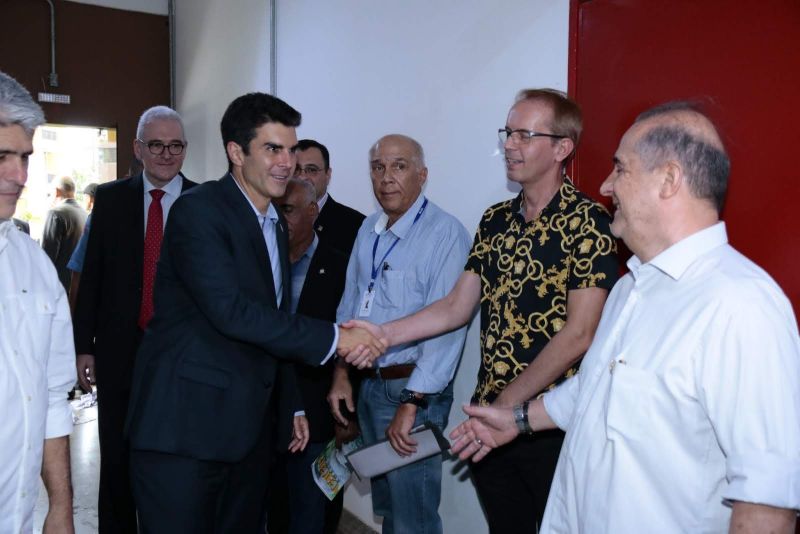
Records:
x=422, y=268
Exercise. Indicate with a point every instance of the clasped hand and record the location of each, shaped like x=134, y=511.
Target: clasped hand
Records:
x=361, y=343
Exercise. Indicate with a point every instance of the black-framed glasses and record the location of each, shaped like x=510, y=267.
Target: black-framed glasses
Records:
x=523, y=136
x=157, y=147
x=309, y=170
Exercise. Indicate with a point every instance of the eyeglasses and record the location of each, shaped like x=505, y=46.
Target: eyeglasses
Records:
x=523, y=136
x=309, y=170
x=157, y=147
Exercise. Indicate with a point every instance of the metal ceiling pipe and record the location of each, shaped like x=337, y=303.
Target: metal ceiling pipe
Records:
x=53, y=78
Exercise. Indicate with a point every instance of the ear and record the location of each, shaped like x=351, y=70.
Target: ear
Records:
x=328, y=177
x=564, y=148
x=313, y=210
x=235, y=153
x=672, y=179
x=137, y=149
x=423, y=176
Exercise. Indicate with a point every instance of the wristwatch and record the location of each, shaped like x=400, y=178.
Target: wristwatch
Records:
x=521, y=418
x=410, y=397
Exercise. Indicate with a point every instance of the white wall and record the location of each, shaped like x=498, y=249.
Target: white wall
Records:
x=221, y=52
x=443, y=72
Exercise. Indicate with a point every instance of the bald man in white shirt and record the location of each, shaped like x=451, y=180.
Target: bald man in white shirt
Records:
x=685, y=416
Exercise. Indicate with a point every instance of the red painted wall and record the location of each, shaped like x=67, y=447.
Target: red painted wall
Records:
x=743, y=58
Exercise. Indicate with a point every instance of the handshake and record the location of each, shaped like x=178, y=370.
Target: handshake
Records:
x=361, y=343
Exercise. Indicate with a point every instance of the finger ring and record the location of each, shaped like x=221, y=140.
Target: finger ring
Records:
x=479, y=442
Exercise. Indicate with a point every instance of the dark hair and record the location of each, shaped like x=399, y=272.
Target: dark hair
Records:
x=567, y=117
x=305, y=144
x=251, y=111
x=707, y=166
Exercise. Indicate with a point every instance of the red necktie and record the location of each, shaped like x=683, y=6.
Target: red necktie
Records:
x=152, y=248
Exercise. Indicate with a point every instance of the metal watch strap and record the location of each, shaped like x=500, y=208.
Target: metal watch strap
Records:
x=521, y=418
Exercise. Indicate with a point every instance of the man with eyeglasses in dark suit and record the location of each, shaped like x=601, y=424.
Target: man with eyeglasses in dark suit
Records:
x=115, y=298
x=337, y=224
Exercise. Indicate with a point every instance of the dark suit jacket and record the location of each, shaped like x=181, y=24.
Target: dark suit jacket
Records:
x=322, y=291
x=62, y=230
x=110, y=292
x=337, y=225
x=207, y=365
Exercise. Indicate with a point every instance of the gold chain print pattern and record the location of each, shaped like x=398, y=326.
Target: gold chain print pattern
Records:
x=526, y=270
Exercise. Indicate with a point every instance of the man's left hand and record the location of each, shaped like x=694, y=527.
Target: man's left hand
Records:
x=300, y=434
x=398, y=431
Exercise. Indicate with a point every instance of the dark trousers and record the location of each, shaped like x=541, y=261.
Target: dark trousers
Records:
x=176, y=494
x=513, y=482
x=296, y=504
x=115, y=508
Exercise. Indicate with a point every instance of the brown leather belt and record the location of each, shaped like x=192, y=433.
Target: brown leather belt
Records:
x=391, y=372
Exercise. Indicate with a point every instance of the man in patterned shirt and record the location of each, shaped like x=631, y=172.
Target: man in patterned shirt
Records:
x=540, y=267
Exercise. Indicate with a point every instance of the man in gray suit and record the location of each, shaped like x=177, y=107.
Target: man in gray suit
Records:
x=63, y=228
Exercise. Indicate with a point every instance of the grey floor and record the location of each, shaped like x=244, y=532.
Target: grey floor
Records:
x=85, y=451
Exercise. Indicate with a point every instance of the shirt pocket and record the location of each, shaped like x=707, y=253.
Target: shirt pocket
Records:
x=636, y=398
x=38, y=314
x=399, y=290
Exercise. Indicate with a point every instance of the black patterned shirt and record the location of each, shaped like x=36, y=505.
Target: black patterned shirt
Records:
x=526, y=270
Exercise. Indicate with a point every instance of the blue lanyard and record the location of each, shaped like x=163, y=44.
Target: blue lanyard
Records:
x=386, y=255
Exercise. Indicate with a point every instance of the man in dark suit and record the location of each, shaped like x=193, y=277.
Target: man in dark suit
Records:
x=201, y=405
x=115, y=295
x=63, y=228
x=318, y=273
x=337, y=224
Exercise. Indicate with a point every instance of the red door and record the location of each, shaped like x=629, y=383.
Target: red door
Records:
x=742, y=58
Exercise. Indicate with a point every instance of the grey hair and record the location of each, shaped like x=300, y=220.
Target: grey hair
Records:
x=310, y=194
x=707, y=166
x=66, y=185
x=418, y=156
x=157, y=113
x=17, y=106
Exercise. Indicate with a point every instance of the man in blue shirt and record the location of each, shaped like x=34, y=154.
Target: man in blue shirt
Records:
x=406, y=256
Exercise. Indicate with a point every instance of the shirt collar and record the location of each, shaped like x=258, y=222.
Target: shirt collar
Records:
x=675, y=260
x=6, y=225
x=401, y=226
x=566, y=189
x=312, y=248
x=172, y=188
x=321, y=202
x=271, y=212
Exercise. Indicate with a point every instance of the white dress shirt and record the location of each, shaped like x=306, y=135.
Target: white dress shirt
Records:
x=36, y=373
x=688, y=399
x=171, y=193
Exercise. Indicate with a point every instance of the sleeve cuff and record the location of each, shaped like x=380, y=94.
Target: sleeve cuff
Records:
x=558, y=404
x=59, y=419
x=763, y=477
x=335, y=343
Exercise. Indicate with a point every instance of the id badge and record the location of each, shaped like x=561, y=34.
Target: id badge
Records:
x=366, y=303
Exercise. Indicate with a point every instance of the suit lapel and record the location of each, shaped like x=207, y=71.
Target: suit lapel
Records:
x=246, y=220
x=136, y=215
x=283, y=253
x=314, y=276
